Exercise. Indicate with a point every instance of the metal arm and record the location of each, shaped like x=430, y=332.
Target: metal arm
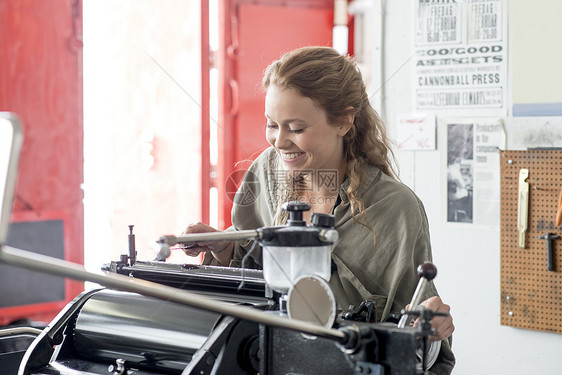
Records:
x=164, y=242
x=53, y=266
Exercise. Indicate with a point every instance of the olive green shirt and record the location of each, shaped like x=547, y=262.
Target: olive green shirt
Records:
x=382, y=268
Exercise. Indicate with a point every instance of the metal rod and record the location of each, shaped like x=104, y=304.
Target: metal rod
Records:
x=249, y=234
x=54, y=266
x=416, y=299
x=19, y=331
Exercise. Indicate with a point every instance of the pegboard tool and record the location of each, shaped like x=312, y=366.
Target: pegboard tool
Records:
x=559, y=212
x=549, y=237
x=523, y=206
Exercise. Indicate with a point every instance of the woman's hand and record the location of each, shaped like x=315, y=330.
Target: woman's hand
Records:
x=442, y=325
x=222, y=251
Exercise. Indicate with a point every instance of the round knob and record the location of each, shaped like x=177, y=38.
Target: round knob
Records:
x=296, y=206
x=323, y=220
x=295, y=209
x=427, y=270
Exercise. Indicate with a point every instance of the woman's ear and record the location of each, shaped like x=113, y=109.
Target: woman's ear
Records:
x=347, y=121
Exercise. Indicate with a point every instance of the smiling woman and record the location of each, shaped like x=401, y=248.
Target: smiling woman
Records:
x=329, y=149
x=308, y=146
x=328, y=93
x=299, y=131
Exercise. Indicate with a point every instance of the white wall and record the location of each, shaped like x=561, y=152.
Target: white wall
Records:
x=468, y=261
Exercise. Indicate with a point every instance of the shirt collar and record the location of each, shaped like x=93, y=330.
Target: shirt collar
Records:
x=371, y=174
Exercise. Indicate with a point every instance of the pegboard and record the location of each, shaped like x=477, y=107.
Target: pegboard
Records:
x=531, y=295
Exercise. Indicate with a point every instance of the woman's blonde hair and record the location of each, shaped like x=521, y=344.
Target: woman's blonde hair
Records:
x=335, y=83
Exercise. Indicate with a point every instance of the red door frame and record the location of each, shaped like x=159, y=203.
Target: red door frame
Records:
x=205, y=113
x=227, y=104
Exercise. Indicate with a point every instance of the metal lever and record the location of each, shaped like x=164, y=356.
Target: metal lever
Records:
x=132, y=250
x=426, y=273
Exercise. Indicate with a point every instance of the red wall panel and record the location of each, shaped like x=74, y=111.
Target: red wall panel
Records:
x=254, y=34
x=41, y=81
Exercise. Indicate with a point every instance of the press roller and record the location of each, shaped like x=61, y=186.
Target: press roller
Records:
x=142, y=331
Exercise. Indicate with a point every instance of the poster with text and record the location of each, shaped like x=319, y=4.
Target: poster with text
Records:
x=470, y=157
x=461, y=57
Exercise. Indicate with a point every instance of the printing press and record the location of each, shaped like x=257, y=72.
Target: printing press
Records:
x=281, y=320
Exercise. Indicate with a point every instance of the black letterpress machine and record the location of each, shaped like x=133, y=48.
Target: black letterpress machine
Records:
x=159, y=318
x=281, y=320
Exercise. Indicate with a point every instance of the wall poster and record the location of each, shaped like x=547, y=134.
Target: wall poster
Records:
x=461, y=62
x=471, y=163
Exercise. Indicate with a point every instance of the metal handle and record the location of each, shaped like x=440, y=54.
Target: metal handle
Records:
x=426, y=273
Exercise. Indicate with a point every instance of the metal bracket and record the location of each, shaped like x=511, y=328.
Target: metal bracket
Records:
x=118, y=368
x=368, y=368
